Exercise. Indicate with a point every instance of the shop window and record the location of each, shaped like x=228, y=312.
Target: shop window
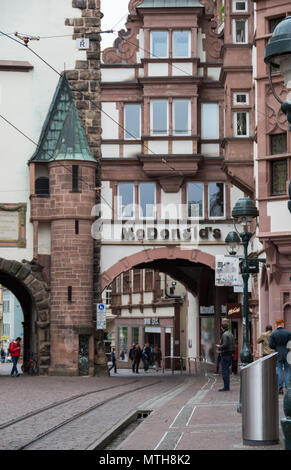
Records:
x=239, y=5
x=132, y=114
x=159, y=44
x=122, y=343
x=241, y=124
x=147, y=200
x=278, y=143
x=210, y=121
x=159, y=117
x=279, y=177
x=207, y=338
x=195, y=199
x=181, y=43
x=125, y=200
x=216, y=200
x=42, y=186
x=135, y=335
x=240, y=31
x=181, y=117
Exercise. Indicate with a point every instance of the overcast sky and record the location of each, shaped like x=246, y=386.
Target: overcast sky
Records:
x=115, y=12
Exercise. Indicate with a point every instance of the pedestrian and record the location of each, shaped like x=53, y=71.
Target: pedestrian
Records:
x=113, y=360
x=157, y=358
x=264, y=340
x=226, y=349
x=278, y=341
x=131, y=355
x=122, y=355
x=3, y=355
x=146, y=356
x=15, y=349
x=137, y=358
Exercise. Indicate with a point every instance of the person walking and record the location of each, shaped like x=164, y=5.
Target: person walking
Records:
x=226, y=349
x=131, y=355
x=15, y=349
x=113, y=360
x=137, y=358
x=278, y=341
x=146, y=356
x=264, y=340
x=3, y=355
x=157, y=357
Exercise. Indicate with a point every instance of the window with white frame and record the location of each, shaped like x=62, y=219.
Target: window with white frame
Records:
x=108, y=295
x=125, y=200
x=195, y=200
x=6, y=329
x=6, y=306
x=209, y=121
x=216, y=200
x=132, y=118
x=181, y=117
x=241, y=124
x=240, y=98
x=159, y=44
x=159, y=117
x=181, y=43
x=147, y=199
x=239, y=6
x=240, y=31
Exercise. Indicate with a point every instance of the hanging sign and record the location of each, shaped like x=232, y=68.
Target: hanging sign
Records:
x=101, y=317
x=226, y=270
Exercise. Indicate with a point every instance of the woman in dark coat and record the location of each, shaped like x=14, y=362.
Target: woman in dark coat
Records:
x=137, y=358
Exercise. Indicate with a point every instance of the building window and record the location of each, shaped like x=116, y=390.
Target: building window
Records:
x=147, y=200
x=240, y=31
x=239, y=5
x=159, y=117
x=125, y=200
x=181, y=117
x=278, y=143
x=137, y=280
x=6, y=306
x=122, y=343
x=132, y=121
x=195, y=200
x=279, y=177
x=240, y=98
x=273, y=22
x=181, y=43
x=70, y=293
x=75, y=178
x=135, y=334
x=216, y=200
x=149, y=280
x=42, y=186
x=108, y=295
x=159, y=44
x=241, y=124
x=210, y=121
x=6, y=329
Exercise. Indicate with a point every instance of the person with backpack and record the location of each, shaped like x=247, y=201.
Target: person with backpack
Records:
x=226, y=348
x=14, y=350
x=278, y=341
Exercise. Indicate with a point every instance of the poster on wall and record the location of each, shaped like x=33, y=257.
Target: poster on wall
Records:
x=226, y=270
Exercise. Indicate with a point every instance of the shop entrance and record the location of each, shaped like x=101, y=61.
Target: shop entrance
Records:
x=153, y=338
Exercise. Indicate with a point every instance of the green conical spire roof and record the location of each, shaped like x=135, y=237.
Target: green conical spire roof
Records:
x=62, y=136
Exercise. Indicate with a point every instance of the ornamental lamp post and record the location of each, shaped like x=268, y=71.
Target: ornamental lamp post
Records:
x=278, y=52
x=232, y=243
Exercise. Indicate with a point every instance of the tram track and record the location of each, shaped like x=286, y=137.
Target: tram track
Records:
x=77, y=415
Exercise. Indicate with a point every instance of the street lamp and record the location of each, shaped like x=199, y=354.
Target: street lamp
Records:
x=232, y=243
x=278, y=52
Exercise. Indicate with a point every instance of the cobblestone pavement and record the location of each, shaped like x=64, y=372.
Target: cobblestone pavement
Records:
x=187, y=412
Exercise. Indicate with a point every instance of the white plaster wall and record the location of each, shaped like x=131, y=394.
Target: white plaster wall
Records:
x=123, y=75
x=106, y=201
x=193, y=314
x=158, y=70
x=130, y=151
x=210, y=150
x=159, y=146
x=26, y=96
x=170, y=205
x=109, y=127
x=235, y=195
x=44, y=239
x=110, y=151
x=182, y=69
x=140, y=53
x=182, y=146
x=280, y=216
x=213, y=73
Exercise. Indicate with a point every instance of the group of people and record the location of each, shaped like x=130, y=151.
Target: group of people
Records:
x=148, y=356
x=272, y=341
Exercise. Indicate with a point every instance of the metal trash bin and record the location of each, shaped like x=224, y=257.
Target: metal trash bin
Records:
x=260, y=403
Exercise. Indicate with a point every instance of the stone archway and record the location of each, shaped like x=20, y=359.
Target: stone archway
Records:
x=25, y=280
x=153, y=254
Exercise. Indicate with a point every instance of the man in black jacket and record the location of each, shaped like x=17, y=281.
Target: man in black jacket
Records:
x=226, y=349
x=278, y=341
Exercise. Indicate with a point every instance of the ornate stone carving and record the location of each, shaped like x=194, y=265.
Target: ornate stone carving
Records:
x=213, y=42
x=275, y=118
x=132, y=6
x=124, y=48
x=210, y=5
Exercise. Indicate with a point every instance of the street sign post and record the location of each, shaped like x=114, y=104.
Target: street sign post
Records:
x=101, y=317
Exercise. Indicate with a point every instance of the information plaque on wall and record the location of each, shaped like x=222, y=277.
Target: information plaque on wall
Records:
x=12, y=225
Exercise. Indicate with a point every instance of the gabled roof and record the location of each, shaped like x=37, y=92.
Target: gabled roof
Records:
x=62, y=136
x=169, y=3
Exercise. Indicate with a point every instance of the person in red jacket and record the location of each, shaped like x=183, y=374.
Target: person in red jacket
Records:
x=15, y=349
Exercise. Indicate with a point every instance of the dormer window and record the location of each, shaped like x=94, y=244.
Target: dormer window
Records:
x=179, y=39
